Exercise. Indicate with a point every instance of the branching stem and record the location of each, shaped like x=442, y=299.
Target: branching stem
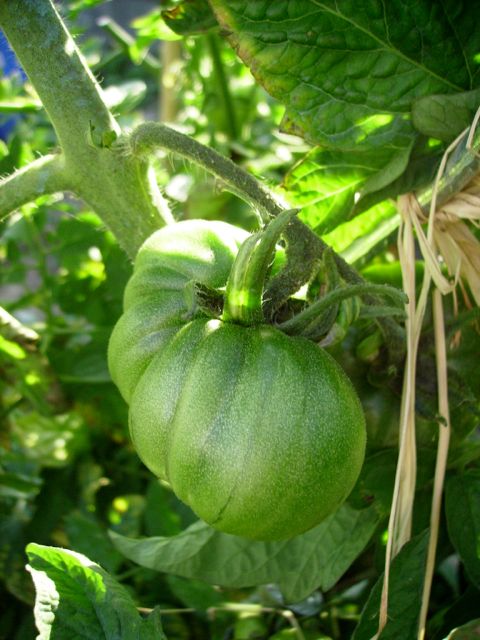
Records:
x=151, y=136
x=307, y=247
x=121, y=190
x=337, y=295
x=43, y=176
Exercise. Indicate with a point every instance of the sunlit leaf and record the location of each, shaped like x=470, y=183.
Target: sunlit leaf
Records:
x=152, y=27
x=360, y=236
x=76, y=598
x=328, y=184
x=349, y=72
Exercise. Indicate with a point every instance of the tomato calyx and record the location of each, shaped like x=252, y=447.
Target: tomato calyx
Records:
x=307, y=318
x=324, y=317
x=208, y=301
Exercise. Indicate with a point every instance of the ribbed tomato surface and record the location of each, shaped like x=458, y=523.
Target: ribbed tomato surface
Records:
x=262, y=434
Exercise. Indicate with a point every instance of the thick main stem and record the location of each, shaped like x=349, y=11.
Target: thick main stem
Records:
x=121, y=190
x=57, y=70
x=45, y=175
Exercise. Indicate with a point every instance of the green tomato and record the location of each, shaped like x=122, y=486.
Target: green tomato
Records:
x=260, y=433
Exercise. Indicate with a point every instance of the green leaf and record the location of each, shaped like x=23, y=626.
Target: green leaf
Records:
x=405, y=596
x=328, y=184
x=377, y=478
x=348, y=72
x=152, y=27
x=359, y=237
x=87, y=536
x=190, y=17
x=463, y=520
x=376, y=481
x=77, y=6
x=77, y=599
x=420, y=172
x=315, y=559
x=445, y=116
x=152, y=627
x=194, y=593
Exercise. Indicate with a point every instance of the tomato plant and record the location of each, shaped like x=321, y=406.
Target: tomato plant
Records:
x=240, y=282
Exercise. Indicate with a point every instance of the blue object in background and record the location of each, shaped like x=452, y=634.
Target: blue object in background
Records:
x=9, y=65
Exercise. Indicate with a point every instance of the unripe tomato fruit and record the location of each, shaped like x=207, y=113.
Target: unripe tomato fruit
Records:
x=262, y=434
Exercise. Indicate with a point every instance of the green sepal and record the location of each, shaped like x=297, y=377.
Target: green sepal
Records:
x=305, y=318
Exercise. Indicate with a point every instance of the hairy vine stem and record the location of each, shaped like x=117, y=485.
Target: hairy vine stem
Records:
x=151, y=136
x=42, y=176
x=337, y=295
x=304, y=248
x=121, y=190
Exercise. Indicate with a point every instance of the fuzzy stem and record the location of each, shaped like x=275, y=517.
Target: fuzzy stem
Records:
x=150, y=136
x=337, y=295
x=45, y=175
x=121, y=190
x=57, y=70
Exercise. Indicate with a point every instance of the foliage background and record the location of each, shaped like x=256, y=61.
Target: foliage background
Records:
x=68, y=472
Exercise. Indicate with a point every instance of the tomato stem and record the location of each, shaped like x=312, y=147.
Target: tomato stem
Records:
x=246, y=282
x=303, y=319
x=304, y=248
x=122, y=191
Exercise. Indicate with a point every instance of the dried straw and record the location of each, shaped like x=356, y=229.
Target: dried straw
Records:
x=448, y=242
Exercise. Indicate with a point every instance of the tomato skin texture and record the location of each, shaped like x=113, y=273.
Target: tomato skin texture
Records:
x=155, y=300
x=262, y=434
